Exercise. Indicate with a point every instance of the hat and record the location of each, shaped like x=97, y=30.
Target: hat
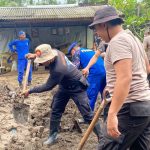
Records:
x=45, y=53
x=72, y=46
x=21, y=32
x=104, y=14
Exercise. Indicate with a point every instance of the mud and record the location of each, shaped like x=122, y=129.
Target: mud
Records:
x=26, y=126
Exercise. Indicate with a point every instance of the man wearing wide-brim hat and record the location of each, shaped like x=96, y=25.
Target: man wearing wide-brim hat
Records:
x=71, y=83
x=128, y=122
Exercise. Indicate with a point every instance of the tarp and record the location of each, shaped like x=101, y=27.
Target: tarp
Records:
x=6, y=35
x=57, y=36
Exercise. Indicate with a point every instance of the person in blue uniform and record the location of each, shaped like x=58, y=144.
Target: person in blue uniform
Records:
x=21, y=47
x=97, y=74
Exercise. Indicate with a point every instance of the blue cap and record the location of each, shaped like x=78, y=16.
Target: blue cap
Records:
x=72, y=46
x=20, y=33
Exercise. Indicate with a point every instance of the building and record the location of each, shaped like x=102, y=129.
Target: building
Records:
x=55, y=25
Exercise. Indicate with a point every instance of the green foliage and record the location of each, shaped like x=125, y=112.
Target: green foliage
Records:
x=4, y=3
x=93, y=1
x=18, y=3
x=47, y=2
x=71, y=1
x=136, y=14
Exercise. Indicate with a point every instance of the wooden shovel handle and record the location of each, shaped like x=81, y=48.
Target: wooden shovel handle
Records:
x=95, y=119
x=26, y=75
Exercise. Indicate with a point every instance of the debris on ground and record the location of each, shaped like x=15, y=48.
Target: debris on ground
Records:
x=25, y=126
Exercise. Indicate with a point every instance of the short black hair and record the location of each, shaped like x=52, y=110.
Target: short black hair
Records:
x=115, y=22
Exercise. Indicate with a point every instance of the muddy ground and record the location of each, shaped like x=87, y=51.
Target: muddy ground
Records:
x=29, y=134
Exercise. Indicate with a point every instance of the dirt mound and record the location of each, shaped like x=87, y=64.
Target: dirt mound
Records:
x=33, y=129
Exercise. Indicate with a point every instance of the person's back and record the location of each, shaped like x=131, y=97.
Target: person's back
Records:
x=97, y=74
x=85, y=56
x=66, y=71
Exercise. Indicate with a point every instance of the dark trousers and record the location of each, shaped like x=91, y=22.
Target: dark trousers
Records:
x=135, y=128
x=61, y=98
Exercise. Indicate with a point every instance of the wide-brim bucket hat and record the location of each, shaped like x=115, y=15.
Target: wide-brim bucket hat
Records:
x=44, y=53
x=104, y=14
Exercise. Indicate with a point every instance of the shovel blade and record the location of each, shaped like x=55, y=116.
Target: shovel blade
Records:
x=21, y=112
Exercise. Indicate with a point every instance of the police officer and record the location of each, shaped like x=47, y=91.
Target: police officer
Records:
x=97, y=74
x=71, y=85
x=21, y=46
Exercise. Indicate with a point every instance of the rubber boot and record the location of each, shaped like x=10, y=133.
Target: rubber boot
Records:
x=97, y=130
x=54, y=126
x=52, y=139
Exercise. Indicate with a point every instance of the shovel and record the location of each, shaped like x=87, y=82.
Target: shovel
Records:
x=21, y=110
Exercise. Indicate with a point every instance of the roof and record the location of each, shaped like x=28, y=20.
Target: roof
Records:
x=13, y=13
x=49, y=13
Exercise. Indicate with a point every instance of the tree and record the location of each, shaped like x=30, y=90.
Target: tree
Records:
x=93, y=1
x=52, y=2
x=145, y=9
x=136, y=14
x=19, y=3
x=31, y=2
x=4, y=3
x=47, y=2
x=71, y=1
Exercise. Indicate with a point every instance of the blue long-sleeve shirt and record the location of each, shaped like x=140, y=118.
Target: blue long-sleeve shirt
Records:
x=20, y=46
x=82, y=57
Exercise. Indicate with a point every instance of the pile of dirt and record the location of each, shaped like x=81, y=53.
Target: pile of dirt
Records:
x=30, y=133
x=7, y=94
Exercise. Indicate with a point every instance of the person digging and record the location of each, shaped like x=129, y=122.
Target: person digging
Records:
x=72, y=84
